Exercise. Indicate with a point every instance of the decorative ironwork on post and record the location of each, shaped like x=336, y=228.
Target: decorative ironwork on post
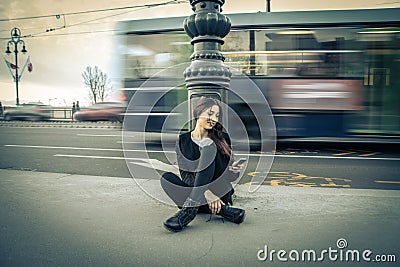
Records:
x=207, y=74
x=15, y=41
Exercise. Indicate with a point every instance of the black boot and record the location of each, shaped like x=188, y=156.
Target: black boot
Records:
x=232, y=214
x=183, y=217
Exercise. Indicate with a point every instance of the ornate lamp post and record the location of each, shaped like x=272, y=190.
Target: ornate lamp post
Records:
x=15, y=41
x=207, y=74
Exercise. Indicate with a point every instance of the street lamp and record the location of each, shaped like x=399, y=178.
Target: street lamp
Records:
x=207, y=74
x=15, y=41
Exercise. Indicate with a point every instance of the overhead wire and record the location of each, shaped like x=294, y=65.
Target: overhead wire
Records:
x=77, y=24
x=76, y=33
x=96, y=10
x=45, y=33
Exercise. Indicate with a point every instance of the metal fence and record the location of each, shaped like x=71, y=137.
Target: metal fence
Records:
x=61, y=113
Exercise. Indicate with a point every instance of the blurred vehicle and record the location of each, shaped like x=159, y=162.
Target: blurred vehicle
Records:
x=28, y=111
x=102, y=111
x=324, y=73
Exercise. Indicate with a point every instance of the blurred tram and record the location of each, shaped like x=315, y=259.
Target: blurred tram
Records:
x=324, y=73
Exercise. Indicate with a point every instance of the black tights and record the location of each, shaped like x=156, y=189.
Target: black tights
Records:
x=179, y=191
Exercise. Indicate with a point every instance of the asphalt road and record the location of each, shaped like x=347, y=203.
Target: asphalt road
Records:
x=53, y=215
x=99, y=152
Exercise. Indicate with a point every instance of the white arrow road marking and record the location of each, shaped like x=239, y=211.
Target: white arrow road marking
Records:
x=149, y=163
x=159, y=165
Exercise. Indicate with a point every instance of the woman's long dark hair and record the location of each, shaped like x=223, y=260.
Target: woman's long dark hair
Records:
x=215, y=133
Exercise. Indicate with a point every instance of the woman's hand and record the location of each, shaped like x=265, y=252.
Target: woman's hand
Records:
x=236, y=169
x=214, y=203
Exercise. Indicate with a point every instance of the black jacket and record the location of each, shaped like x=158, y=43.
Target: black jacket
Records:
x=188, y=152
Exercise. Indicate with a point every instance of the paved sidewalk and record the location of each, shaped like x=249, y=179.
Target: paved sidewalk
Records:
x=54, y=219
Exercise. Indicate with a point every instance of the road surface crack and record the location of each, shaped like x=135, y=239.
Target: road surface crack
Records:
x=210, y=248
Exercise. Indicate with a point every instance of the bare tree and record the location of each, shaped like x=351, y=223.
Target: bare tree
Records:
x=98, y=83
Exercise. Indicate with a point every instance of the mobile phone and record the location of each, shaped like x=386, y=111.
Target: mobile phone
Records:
x=239, y=162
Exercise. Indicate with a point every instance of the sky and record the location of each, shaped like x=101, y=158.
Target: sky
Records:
x=60, y=56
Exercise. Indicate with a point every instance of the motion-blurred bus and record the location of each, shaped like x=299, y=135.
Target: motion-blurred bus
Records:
x=324, y=73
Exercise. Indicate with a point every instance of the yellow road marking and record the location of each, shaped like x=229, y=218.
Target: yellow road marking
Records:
x=275, y=182
x=301, y=184
x=298, y=179
x=331, y=182
x=345, y=153
x=363, y=153
x=370, y=154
